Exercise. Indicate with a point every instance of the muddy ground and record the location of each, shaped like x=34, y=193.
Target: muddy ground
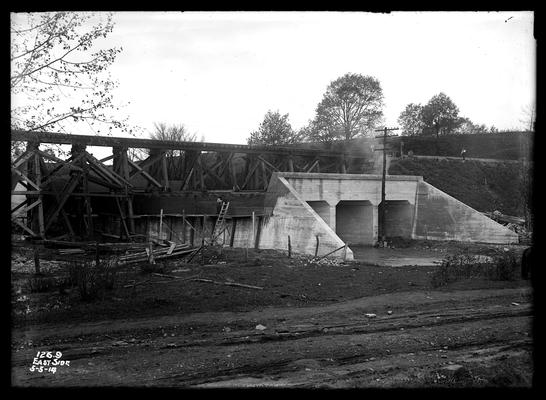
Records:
x=313, y=324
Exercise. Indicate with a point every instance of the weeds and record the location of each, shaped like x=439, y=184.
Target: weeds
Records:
x=93, y=280
x=503, y=266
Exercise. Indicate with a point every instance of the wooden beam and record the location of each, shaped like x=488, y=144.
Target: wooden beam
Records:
x=164, y=171
x=122, y=216
x=110, y=141
x=146, y=175
x=104, y=183
x=25, y=178
x=273, y=168
x=28, y=208
x=25, y=227
x=71, y=160
x=22, y=158
x=58, y=160
x=263, y=173
x=111, y=174
x=152, y=159
x=106, y=158
x=87, y=201
x=313, y=165
x=67, y=190
x=290, y=164
x=19, y=206
x=201, y=173
x=187, y=179
x=252, y=169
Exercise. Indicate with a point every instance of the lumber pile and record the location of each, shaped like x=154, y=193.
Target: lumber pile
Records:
x=173, y=250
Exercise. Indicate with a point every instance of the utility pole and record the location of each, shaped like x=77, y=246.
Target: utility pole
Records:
x=382, y=207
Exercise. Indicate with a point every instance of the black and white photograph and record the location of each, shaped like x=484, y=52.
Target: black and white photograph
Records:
x=273, y=199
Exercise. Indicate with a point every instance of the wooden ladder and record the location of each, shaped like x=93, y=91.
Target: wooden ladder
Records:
x=219, y=226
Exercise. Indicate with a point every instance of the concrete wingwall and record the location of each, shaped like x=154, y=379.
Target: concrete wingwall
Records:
x=293, y=217
x=442, y=217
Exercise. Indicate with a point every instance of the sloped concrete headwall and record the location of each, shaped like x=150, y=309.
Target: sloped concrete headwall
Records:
x=442, y=217
x=293, y=217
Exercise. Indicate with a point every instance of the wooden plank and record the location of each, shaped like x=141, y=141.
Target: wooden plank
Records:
x=228, y=283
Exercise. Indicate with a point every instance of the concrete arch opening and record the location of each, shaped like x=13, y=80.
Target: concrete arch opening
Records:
x=399, y=218
x=356, y=221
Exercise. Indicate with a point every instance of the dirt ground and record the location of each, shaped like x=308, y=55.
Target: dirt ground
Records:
x=358, y=324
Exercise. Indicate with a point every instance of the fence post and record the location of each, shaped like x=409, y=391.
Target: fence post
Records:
x=289, y=247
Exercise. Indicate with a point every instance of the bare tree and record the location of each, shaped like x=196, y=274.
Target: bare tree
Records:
x=528, y=117
x=177, y=133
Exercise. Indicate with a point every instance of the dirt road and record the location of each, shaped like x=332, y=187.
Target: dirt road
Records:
x=403, y=339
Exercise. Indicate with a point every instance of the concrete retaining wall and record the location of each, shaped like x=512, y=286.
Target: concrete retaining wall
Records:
x=293, y=217
x=442, y=217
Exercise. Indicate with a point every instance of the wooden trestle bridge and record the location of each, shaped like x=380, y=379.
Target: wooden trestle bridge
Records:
x=61, y=191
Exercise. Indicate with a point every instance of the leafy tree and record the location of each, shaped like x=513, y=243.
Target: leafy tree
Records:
x=411, y=120
x=275, y=129
x=57, y=72
x=440, y=115
x=351, y=107
x=319, y=130
x=467, y=127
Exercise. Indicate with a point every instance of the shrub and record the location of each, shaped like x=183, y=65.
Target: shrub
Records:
x=40, y=284
x=93, y=280
x=502, y=266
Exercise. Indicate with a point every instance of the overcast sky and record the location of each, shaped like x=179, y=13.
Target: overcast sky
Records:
x=219, y=73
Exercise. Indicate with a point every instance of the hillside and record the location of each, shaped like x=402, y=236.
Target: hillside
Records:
x=483, y=186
